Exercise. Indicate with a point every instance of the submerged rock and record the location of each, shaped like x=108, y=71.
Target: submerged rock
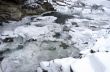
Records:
x=61, y=18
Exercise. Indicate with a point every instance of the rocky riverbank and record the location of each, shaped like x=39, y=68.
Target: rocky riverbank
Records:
x=17, y=9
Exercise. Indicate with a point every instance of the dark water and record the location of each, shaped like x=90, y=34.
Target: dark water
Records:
x=61, y=18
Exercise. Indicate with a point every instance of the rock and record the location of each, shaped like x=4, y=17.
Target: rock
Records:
x=75, y=24
x=71, y=70
x=45, y=71
x=1, y=58
x=10, y=12
x=32, y=9
x=61, y=18
x=47, y=6
x=64, y=45
x=92, y=51
x=20, y=47
x=1, y=24
x=57, y=35
x=66, y=28
x=4, y=51
x=16, y=9
x=8, y=39
x=13, y=1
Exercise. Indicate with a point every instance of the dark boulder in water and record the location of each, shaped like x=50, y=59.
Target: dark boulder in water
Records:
x=47, y=6
x=61, y=18
x=8, y=39
x=1, y=24
x=1, y=58
x=57, y=35
x=92, y=51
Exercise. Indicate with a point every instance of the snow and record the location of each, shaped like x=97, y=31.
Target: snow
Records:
x=57, y=65
x=8, y=34
x=31, y=31
x=44, y=20
x=106, y=3
x=102, y=44
x=97, y=62
x=63, y=9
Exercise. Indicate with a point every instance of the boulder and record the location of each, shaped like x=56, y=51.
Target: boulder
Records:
x=17, y=9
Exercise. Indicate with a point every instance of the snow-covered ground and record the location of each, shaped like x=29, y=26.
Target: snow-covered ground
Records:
x=78, y=43
x=97, y=62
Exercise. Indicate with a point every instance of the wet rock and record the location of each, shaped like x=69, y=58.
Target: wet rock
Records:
x=86, y=43
x=45, y=71
x=14, y=1
x=16, y=9
x=8, y=39
x=61, y=18
x=27, y=24
x=31, y=40
x=64, y=45
x=52, y=48
x=66, y=28
x=32, y=18
x=69, y=37
x=80, y=55
x=20, y=47
x=1, y=24
x=1, y=58
x=32, y=9
x=10, y=12
x=47, y=6
x=57, y=35
x=92, y=51
x=71, y=70
x=4, y=51
x=106, y=51
x=75, y=24
x=39, y=25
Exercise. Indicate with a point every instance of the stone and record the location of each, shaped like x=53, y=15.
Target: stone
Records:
x=17, y=9
x=8, y=39
x=47, y=6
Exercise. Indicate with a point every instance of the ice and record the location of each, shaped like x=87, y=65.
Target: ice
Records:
x=92, y=63
x=31, y=31
x=102, y=44
x=58, y=65
x=98, y=62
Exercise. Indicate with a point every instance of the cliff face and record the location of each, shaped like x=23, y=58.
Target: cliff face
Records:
x=16, y=9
